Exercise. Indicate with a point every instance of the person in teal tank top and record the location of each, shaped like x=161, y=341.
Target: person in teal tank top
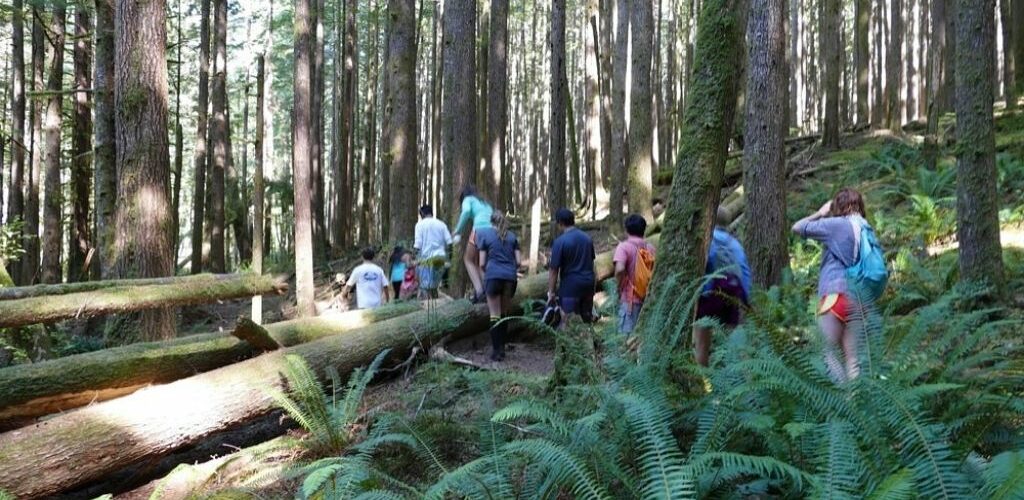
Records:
x=474, y=209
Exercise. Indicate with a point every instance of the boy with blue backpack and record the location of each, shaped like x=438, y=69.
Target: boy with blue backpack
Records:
x=853, y=275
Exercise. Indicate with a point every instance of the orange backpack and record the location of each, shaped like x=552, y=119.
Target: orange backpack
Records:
x=643, y=269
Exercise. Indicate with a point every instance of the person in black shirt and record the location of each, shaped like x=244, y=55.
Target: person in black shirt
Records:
x=571, y=268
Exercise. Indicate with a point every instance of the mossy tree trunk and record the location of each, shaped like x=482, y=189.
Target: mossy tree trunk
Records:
x=618, y=142
x=80, y=240
x=53, y=220
x=831, y=35
x=400, y=126
x=707, y=126
x=640, y=153
x=35, y=390
x=105, y=168
x=143, y=220
x=199, y=156
x=977, y=196
x=121, y=299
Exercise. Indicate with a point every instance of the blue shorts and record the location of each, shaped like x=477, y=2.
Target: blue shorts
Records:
x=628, y=315
x=578, y=304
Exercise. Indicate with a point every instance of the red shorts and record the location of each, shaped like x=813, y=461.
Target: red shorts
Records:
x=839, y=304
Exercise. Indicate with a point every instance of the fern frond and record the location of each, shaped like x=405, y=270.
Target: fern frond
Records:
x=1004, y=477
x=534, y=410
x=728, y=465
x=566, y=469
x=661, y=461
x=839, y=469
x=898, y=486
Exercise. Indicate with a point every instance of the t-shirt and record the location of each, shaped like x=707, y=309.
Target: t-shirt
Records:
x=474, y=208
x=840, y=241
x=397, y=271
x=726, y=255
x=501, y=254
x=369, y=280
x=626, y=253
x=432, y=237
x=573, y=255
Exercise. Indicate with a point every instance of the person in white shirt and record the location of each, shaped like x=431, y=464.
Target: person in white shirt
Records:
x=431, y=246
x=370, y=282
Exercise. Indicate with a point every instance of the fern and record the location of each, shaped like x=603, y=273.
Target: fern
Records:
x=898, y=486
x=1004, y=477
x=661, y=461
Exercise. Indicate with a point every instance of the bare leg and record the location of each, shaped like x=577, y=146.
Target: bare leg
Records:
x=851, y=332
x=701, y=344
x=472, y=261
x=833, y=329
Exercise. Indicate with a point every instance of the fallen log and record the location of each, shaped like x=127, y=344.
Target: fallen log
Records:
x=24, y=292
x=34, y=390
x=79, y=447
x=121, y=299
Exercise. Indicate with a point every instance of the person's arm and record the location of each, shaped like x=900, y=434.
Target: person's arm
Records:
x=553, y=265
x=800, y=227
x=620, y=259
x=465, y=215
x=387, y=288
x=418, y=239
x=552, y=282
x=347, y=289
x=483, y=260
x=519, y=258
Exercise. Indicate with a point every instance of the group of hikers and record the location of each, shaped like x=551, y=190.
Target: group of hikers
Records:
x=492, y=259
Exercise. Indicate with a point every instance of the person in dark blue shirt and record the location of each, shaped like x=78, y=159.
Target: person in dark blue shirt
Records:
x=499, y=259
x=571, y=268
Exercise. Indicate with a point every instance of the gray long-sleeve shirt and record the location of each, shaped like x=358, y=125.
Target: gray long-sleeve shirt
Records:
x=838, y=236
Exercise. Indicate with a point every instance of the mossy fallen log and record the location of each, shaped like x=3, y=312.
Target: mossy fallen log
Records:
x=86, y=445
x=121, y=299
x=24, y=292
x=34, y=390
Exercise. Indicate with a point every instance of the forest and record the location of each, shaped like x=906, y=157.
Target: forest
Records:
x=497, y=249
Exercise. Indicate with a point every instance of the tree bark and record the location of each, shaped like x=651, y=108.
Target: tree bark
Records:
x=1017, y=14
x=764, y=152
x=19, y=142
x=977, y=200
x=400, y=128
x=894, y=69
x=497, y=105
x=143, y=242
x=831, y=27
x=257, y=183
x=1009, y=57
x=80, y=241
x=54, y=201
x=179, y=143
x=369, y=160
x=620, y=65
x=219, y=135
x=640, y=152
x=557, y=169
x=320, y=246
x=106, y=437
x=707, y=127
x=39, y=389
x=861, y=56
x=301, y=137
x=30, y=243
x=105, y=173
x=199, y=156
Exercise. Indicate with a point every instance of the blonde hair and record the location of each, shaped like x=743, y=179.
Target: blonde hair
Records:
x=500, y=223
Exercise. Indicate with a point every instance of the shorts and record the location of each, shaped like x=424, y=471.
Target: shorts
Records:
x=500, y=288
x=723, y=302
x=582, y=304
x=429, y=277
x=628, y=315
x=839, y=304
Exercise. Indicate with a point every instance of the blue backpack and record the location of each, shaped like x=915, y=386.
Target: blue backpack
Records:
x=868, y=276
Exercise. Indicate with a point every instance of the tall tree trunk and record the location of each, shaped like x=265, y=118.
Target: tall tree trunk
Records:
x=977, y=196
x=234, y=202
x=179, y=144
x=497, y=105
x=707, y=127
x=591, y=105
x=861, y=56
x=949, y=93
x=894, y=68
x=603, y=47
x=30, y=259
x=53, y=220
x=640, y=127
x=764, y=151
x=80, y=241
x=105, y=173
x=343, y=181
x=620, y=66
x=400, y=130
x=1017, y=15
x=143, y=242
x=369, y=163
x=320, y=246
x=200, y=154
x=260, y=151
x=557, y=169
x=219, y=132
x=19, y=142
x=302, y=122
x=831, y=27
x=1009, y=57
x=877, y=89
